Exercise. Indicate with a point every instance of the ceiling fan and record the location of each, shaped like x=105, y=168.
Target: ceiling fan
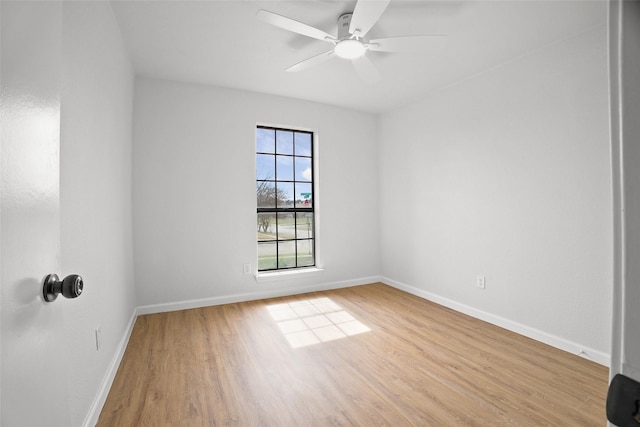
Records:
x=350, y=43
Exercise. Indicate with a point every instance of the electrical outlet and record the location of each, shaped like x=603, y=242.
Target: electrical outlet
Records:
x=247, y=268
x=98, y=338
x=480, y=281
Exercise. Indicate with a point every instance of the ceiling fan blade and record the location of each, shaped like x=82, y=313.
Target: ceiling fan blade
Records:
x=366, y=69
x=310, y=62
x=293, y=25
x=407, y=43
x=365, y=15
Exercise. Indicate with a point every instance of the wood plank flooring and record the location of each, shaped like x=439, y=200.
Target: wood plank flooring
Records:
x=364, y=356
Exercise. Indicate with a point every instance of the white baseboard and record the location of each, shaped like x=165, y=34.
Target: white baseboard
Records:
x=251, y=296
x=98, y=402
x=552, y=340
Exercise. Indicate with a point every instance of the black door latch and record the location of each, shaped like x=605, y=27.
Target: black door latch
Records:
x=623, y=402
x=70, y=287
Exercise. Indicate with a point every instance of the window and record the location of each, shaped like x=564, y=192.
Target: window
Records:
x=284, y=194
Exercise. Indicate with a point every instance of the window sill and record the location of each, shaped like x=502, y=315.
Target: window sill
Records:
x=275, y=276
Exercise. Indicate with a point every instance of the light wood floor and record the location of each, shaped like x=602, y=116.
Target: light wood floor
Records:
x=364, y=356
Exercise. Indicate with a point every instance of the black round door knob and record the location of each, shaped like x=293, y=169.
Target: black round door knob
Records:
x=70, y=287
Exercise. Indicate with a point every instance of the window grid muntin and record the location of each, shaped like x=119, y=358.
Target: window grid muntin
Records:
x=294, y=210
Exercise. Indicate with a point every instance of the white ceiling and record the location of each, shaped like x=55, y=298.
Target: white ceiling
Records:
x=222, y=43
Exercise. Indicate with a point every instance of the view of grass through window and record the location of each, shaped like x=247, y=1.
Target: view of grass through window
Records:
x=284, y=195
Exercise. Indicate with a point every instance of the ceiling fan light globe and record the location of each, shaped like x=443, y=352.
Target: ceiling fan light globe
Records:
x=350, y=49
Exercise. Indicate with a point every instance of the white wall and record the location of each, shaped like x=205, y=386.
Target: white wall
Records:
x=194, y=191
x=506, y=174
x=95, y=196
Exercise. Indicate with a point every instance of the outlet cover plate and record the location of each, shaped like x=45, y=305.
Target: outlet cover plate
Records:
x=481, y=281
x=98, y=338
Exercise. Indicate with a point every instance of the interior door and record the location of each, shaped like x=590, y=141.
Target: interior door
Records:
x=33, y=384
x=624, y=26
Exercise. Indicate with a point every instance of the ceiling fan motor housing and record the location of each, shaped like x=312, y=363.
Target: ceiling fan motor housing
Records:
x=343, y=26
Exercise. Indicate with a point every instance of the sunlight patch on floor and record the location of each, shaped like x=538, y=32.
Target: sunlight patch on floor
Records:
x=313, y=321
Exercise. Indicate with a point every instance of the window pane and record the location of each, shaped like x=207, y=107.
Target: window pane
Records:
x=304, y=196
x=266, y=226
x=267, y=256
x=265, y=166
x=286, y=226
x=304, y=225
x=303, y=169
x=305, y=253
x=265, y=140
x=284, y=142
x=284, y=168
x=303, y=144
x=285, y=194
x=286, y=254
x=266, y=194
